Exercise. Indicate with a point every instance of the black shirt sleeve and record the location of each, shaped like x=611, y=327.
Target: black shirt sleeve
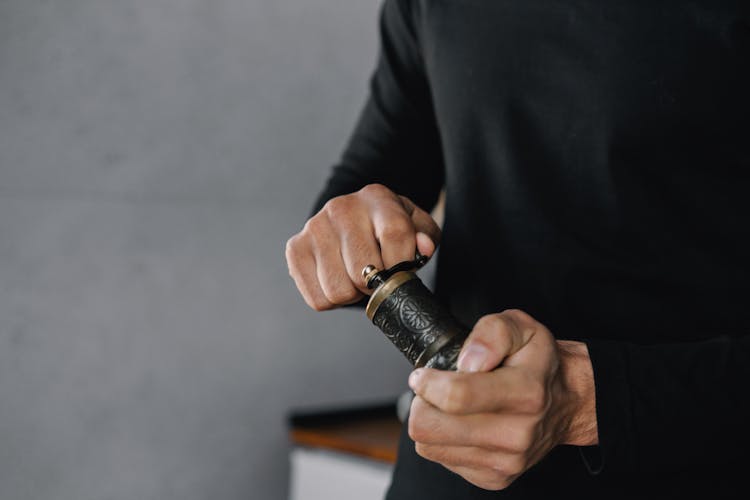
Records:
x=396, y=141
x=670, y=407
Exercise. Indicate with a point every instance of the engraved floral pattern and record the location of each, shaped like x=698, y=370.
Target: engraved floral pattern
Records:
x=417, y=314
x=412, y=320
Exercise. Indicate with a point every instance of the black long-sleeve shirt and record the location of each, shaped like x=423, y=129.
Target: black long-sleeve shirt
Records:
x=596, y=161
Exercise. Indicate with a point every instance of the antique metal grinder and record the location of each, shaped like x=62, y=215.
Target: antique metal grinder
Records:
x=411, y=316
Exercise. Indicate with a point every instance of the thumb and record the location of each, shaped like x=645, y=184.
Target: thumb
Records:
x=428, y=232
x=494, y=338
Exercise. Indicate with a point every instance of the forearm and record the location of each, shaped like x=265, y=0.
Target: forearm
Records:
x=578, y=381
x=396, y=141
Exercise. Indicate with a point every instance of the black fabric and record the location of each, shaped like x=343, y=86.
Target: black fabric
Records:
x=596, y=162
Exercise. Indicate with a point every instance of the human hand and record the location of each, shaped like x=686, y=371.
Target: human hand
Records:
x=490, y=425
x=372, y=226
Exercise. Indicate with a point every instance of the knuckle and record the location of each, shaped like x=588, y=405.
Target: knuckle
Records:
x=317, y=304
x=515, y=465
x=494, y=322
x=291, y=249
x=341, y=294
x=296, y=248
x=522, y=322
x=493, y=330
x=499, y=482
x=535, y=398
x=519, y=315
x=416, y=431
x=508, y=466
x=518, y=441
x=506, y=321
x=514, y=313
x=375, y=189
x=339, y=207
x=498, y=438
x=420, y=429
x=498, y=485
x=313, y=226
x=337, y=287
x=320, y=306
x=396, y=229
x=457, y=396
x=423, y=451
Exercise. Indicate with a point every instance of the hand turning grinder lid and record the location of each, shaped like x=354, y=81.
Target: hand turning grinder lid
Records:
x=412, y=318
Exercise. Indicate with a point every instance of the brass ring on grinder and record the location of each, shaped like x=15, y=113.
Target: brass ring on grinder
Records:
x=384, y=290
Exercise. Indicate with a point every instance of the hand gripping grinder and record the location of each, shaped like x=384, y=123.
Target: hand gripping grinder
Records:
x=411, y=317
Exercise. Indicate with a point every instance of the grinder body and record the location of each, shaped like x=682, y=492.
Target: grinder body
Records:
x=411, y=317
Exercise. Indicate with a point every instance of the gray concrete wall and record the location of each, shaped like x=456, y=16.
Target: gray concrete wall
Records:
x=155, y=155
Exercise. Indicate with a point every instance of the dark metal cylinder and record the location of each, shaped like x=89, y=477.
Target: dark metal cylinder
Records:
x=416, y=323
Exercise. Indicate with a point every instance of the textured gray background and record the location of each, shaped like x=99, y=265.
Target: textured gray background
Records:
x=155, y=155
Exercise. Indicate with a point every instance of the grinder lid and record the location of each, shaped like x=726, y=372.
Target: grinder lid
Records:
x=386, y=289
x=385, y=281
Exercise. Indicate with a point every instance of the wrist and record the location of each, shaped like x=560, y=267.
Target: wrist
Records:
x=578, y=380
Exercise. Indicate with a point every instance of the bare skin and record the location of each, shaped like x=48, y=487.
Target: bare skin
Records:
x=372, y=226
x=490, y=426
x=487, y=424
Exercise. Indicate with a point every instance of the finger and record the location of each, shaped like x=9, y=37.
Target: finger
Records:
x=423, y=223
x=472, y=457
x=359, y=248
x=494, y=338
x=335, y=282
x=349, y=218
x=509, y=389
x=395, y=232
x=331, y=272
x=509, y=432
x=425, y=245
x=539, y=354
x=484, y=478
x=475, y=459
x=302, y=268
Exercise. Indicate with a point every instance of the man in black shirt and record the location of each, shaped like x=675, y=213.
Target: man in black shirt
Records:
x=596, y=163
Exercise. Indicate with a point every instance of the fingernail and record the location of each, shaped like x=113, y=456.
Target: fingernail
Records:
x=425, y=245
x=414, y=378
x=472, y=358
